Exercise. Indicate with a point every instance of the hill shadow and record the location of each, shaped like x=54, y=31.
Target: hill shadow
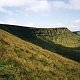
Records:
x=28, y=34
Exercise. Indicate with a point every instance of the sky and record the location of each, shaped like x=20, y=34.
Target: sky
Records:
x=41, y=13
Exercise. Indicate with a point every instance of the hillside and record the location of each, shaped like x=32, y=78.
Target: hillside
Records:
x=59, y=40
x=23, y=60
x=61, y=36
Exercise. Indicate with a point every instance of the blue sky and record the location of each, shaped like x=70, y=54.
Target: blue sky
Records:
x=41, y=13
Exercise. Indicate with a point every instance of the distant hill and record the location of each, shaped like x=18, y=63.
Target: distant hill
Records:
x=77, y=32
x=21, y=59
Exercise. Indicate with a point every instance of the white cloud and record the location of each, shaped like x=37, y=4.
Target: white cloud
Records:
x=60, y=25
x=77, y=22
x=30, y=5
x=1, y=22
x=9, y=21
x=74, y=25
x=30, y=24
x=15, y=3
x=58, y=4
x=71, y=4
x=73, y=28
x=74, y=4
x=39, y=6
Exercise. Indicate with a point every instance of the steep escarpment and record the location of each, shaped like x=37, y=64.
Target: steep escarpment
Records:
x=61, y=36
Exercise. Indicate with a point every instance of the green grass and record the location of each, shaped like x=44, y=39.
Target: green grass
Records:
x=58, y=40
x=23, y=60
x=61, y=36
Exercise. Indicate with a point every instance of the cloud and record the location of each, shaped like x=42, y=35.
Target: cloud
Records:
x=58, y=4
x=30, y=5
x=13, y=3
x=39, y=6
x=74, y=25
x=9, y=21
x=13, y=21
x=77, y=22
x=30, y=24
x=74, y=4
x=71, y=4
x=73, y=28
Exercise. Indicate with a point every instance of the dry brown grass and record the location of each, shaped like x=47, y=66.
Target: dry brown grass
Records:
x=26, y=61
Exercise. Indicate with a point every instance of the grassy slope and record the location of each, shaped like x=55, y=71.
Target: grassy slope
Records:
x=20, y=60
x=59, y=40
x=62, y=41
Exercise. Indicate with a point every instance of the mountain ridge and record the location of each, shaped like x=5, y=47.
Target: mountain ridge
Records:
x=35, y=31
x=58, y=40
